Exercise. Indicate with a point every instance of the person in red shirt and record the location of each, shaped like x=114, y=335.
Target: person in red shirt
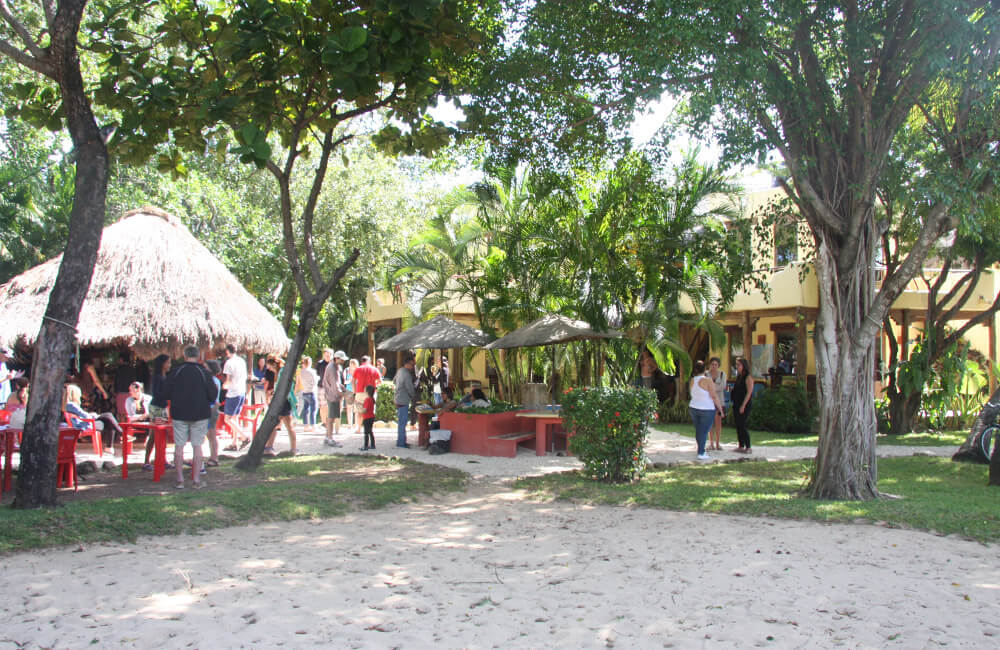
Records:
x=368, y=418
x=365, y=375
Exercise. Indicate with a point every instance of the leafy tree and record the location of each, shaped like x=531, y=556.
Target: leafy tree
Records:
x=36, y=194
x=829, y=86
x=43, y=39
x=312, y=75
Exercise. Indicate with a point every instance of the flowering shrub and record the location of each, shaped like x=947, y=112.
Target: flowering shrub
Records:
x=609, y=428
x=385, y=402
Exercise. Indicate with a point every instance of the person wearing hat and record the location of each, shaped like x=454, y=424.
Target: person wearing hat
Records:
x=6, y=375
x=333, y=390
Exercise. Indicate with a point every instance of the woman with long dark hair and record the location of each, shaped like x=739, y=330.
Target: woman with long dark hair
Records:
x=742, y=396
x=158, y=405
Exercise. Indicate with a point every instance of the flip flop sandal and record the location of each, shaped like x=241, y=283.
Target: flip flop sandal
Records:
x=212, y=463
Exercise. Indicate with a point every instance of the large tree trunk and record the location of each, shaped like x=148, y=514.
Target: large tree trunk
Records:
x=307, y=318
x=36, y=483
x=846, y=464
x=903, y=410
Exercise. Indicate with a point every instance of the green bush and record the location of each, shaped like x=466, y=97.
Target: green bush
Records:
x=786, y=409
x=496, y=406
x=385, y=403
x=609, y=428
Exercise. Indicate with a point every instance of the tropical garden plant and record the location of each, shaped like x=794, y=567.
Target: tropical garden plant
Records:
x=609, y=428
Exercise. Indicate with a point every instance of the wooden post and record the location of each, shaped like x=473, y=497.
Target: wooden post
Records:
x=801, y=344
x=991, y=327
x=747, y=337
x=904, y=353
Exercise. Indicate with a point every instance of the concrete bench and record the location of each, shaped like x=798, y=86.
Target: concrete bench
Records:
x=505, y=444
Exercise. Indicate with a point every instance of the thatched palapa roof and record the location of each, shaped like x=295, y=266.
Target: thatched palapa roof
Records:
x=155, y=288
x=438, y=332
x=548, y=330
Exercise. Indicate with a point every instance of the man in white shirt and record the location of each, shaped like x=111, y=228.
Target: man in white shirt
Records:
x=6, y=354
x=234, y=382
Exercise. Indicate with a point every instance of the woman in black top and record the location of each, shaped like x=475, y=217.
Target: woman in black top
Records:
x=742, y=396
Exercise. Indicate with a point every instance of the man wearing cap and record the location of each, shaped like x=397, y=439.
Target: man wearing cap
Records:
x=333, y=390
x=6, y=354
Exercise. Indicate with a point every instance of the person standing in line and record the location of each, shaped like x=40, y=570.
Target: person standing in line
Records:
x=6, y=354
x=353, y=415
x=406, y=392
x=368, y=419
x=191, y=391
x=214, y=369
x=380, y=366
x=719, y=382
x=436, y=389
x=308, y=380
x=333, y=388
x=704, y=406
x=259, y=389
x=285, y=415
x=445, y=372
x=320, y=393
x=235, y=384
x=158, y=405
x=742, y=396
x=364, y=375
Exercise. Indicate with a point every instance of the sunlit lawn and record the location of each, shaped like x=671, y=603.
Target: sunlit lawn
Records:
x=770, y=439
x=937, y=494
x=305, y=487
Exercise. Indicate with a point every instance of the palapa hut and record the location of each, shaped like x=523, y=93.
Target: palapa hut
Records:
x=155, y=289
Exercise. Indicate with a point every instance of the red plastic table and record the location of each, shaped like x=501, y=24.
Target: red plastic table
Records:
x=160, y=432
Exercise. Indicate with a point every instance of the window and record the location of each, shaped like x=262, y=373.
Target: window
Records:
x=785, y=242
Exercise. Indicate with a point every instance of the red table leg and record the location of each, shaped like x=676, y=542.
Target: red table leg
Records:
x=160, y=450
x=541, y=437
x=8, y=462
x=126, y=449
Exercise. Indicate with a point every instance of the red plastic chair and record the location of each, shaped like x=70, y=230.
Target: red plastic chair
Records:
x=4, y=416
x=250, y=415
x=66, y=460
x=88, y=428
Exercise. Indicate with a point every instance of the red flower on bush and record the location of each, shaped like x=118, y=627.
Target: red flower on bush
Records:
x=617, y=413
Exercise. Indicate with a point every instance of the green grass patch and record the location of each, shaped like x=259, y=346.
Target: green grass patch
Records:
x=281, y=490
x=769, y=439
x=936, y=494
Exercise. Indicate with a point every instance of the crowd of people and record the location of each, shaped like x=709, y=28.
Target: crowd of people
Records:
x=707, y=405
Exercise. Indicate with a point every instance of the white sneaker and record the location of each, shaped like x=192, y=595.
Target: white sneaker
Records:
x=704, y=457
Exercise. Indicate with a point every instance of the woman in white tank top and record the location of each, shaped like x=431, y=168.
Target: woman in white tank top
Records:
x=704, y=406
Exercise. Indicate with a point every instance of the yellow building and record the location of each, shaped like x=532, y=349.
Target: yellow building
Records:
x=780, y=328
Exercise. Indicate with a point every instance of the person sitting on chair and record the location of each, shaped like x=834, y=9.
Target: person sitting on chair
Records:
x=104, y=422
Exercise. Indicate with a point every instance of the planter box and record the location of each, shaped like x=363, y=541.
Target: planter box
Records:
x=471, y=432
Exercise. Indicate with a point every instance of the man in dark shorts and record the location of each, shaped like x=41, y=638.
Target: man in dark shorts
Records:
x=333, y=390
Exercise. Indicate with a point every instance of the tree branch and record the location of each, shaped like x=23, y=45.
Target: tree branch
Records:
x=22, y=32
x=28, y=61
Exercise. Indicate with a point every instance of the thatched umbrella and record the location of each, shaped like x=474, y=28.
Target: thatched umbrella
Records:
x=438, y=332
x=548, y=330
x=155, y=289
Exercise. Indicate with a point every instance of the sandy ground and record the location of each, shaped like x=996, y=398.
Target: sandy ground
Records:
x=489, y=568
